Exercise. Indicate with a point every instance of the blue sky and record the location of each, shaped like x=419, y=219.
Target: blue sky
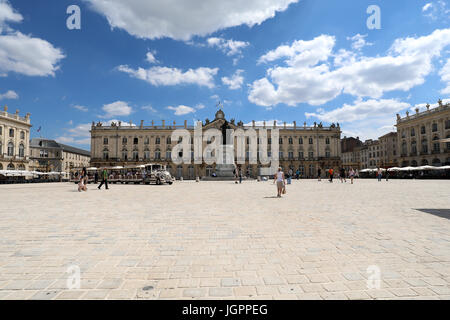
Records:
x=284, y=60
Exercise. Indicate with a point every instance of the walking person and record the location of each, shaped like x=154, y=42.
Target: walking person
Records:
x=240, y=175
x=342, y=175
x=289, y=177
x=351, y=173
x=319, y=174
x=387, y=175
x=331, y=172
x=104, y=180
x=379, y=174
x=96, y=177
x=280, y=180
x=297, y=174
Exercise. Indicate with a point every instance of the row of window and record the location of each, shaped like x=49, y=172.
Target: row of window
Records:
x=157, y=155
x=169, y=141
x=11, y=133
x=10, y=150
x=434, y=128
x=424, y=146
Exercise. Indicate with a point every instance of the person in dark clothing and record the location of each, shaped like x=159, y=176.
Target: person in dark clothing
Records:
x=96, y=177
x=104, y=180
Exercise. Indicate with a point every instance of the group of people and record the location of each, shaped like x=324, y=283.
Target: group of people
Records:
x=84, y=179
x=343, y=174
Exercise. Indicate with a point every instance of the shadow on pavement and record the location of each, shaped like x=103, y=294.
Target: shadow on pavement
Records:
x=443, y=213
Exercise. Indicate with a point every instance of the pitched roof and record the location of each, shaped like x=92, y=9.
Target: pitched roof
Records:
x=46, y=143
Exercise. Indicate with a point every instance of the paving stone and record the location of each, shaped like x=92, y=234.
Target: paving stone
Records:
x=220, y=292
x=194, y=293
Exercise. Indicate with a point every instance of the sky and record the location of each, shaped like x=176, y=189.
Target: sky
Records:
x=264, y=60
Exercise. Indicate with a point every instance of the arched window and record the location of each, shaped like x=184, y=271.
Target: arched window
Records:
x=436, y=162
x=424, y=162
x=105, y=154
x=404, y=148
x=424, y=145
x=146, y=154
x=21, y=151
x=10, y=167
x=21, y=167
x=124, y=154
x=414, y=163
x=414, y=147
x=135, y=155
x=436, y=145
x=10, y=149
x=434, y=127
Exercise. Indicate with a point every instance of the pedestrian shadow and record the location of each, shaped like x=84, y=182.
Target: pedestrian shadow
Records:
x=272, y=197
x=443, y=213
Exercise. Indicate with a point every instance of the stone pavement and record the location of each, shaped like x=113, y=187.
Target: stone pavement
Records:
x=217, y=240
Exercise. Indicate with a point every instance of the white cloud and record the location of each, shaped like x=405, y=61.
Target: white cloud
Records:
x=368, y=119
x=183, y=19
x=164, y=76
x=200, y=106
x=80, y=108
x=445, y=77
x=360, y=110
x=149, y=108
x=22, y=53
x=310, y=76
x=10, y=94
x=118, y=108
x=230, y=47
x=427, y=6
x=8, y=14
x=150, y=57
x=29, y=56
x=302, y=53
x=359, y=41
x=235, y=82
x=181, y=110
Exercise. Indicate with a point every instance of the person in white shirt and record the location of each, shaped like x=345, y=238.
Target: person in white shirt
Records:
x=280, y=181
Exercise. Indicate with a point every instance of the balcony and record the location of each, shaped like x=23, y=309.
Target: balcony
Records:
x=436, y=152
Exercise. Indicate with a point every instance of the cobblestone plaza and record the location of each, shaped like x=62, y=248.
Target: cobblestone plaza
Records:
x=218, y=240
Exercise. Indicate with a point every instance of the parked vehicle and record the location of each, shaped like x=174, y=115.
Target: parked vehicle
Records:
x=158, y=174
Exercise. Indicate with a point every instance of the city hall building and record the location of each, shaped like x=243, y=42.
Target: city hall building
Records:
x=14, y=140
x=304, y=148
x=421, y=137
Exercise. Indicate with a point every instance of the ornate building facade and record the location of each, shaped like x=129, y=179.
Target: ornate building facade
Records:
x=304, y=148
x=49, y=155
x=14, y=140
x=421, y=137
